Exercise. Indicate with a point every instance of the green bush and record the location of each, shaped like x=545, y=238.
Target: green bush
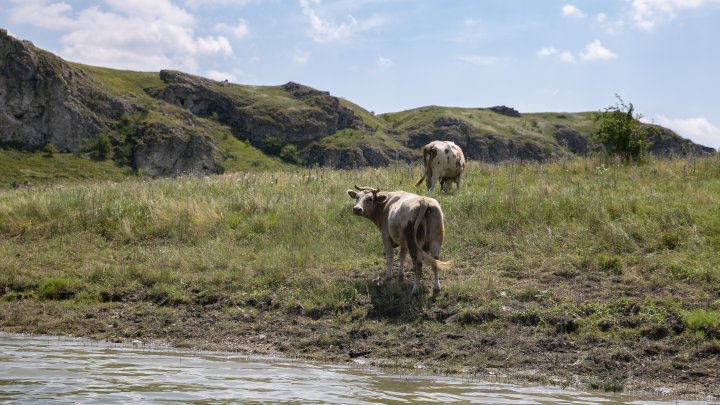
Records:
x=621, y=132
x=103, y=147
x=49, y=150
x=290, y=153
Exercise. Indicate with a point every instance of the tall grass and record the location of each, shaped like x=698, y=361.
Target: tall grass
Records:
x=547, y=238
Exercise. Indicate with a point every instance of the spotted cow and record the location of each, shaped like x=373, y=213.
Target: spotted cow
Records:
x=444, y=161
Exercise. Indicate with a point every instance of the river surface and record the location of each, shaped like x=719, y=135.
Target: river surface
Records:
x=42, y=369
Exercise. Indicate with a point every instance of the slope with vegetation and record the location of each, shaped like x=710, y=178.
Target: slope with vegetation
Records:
x=577, y=272
x=171, y=123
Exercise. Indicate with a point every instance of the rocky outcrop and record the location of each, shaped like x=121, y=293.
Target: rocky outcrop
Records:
x=308, y=115
x=171, y=151
x=494, y=149
x=354, y=157
x=478, y=145
x=504, y=110
x=444, y=128
x=665, y=142
x=571, y=139
x=44, y=100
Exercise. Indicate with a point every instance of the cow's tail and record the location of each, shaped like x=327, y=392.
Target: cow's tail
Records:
x=421, y=215
x=431, y=261
x=427, y=259
x=426, y=163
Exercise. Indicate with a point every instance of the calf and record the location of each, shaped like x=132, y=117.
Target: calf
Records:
x=413, y=222
x=444, y=161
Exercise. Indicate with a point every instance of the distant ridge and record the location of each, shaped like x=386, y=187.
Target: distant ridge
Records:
x=169, y=123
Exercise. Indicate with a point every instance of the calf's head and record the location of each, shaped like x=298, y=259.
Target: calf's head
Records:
x=366, y=200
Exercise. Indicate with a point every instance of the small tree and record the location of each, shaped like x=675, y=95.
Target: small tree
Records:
x=103, y=147
x=291, y=154
x=49, y=150
x=621, y=132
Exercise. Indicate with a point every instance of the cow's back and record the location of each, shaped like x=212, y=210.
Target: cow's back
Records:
x=402, y=210
x=445, y=157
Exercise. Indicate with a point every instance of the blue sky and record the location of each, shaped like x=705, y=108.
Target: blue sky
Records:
x=392, y=55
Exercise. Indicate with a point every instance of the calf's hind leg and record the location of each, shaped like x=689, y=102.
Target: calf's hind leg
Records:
x=401, y=271
x=415, y=256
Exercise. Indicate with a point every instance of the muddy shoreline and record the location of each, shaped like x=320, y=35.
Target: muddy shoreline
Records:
x=520, y=355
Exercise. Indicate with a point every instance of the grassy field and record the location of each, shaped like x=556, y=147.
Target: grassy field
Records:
x=579, y=273
x=36, y=169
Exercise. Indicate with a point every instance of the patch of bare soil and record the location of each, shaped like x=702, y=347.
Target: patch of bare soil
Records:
x=517, y=353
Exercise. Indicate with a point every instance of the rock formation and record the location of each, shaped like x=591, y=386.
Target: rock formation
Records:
x=44, y=100
x=176, y=121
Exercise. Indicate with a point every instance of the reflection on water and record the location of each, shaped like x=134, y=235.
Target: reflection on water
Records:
x=50, y=369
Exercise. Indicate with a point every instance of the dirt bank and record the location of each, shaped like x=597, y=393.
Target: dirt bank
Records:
x=525, y=354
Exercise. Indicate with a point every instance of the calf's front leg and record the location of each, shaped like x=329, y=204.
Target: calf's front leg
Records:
x=387, y=244
x=415, y=256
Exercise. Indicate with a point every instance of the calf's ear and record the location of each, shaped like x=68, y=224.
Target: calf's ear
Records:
x=381, y=198
x=352, y=194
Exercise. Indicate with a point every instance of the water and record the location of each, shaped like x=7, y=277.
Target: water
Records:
x=41, y=369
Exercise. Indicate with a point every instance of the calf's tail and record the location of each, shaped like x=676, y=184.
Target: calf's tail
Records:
x=431, y=261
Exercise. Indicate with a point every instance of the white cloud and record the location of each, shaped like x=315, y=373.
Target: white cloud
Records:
x=571, y=11
x=213, y=45
x=480, y=60
x=566, y=57
x=240, y=31
x=325, y=29
x=195, y=4
x=549, y=51
x=698, y=129
x=41, y=14
x=611, y=27
x=301, y=57
x=220, y=76
x=124, y=34
x=383, y=62
x=647, y=14
x=562, y=56
x=595, y=51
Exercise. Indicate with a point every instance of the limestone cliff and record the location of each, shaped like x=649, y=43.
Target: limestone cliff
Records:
x=45, y=100
x=298, y=114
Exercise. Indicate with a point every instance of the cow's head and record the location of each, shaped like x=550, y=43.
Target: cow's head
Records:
x=366, y=200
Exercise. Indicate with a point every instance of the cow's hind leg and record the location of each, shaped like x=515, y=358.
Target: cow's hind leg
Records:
x=415, y=256
x=458, y=180
x=401, y=271
x=434, y=247
x=430, y=183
